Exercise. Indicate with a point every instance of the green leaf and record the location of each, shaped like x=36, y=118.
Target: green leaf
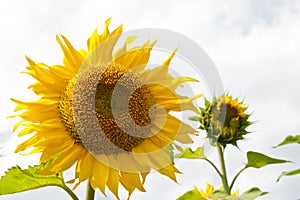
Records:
x=170, y=151
x=19, y=180
x=189, y=153
x=250, y=194
x=289, y=173
x=191, y=195
x=290, y=140
x=258, y=160
x=220, y=194
x=194, y=118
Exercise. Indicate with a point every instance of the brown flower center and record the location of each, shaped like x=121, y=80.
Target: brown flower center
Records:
x=107, y=109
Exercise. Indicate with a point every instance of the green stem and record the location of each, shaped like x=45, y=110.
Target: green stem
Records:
x=70, y=192
x=223, y=169
x=67, y=189
x=236, y=176
x=90, y=193
x=214, y=166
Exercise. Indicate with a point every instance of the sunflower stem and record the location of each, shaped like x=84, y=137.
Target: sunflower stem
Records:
x=90, y=192
x=223, y=168
x=234, y=179
x=214, y=166
x=67, y=189
x=70, y=192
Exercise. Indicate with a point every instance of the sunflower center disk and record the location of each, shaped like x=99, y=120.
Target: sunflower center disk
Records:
x=107, y=109
x=227, y=113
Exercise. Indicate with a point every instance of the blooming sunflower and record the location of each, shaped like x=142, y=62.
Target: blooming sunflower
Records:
x=225, y=120
x=104, y=111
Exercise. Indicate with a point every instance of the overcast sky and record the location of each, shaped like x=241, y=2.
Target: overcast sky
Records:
x=254, y=44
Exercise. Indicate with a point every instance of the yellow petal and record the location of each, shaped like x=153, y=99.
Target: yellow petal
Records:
x=26, y=131
x=126, y=162
x=85, y=166
x=100, y=174
x=209, y=189
x=145, y=146
x=122, y=50
x=101, y=46
x=235, y=193
x=158, y=73
x=21, y=147
x=136, y=57
x=54, y=149
x=62, y=71
x=133, y=179
x=76, y=56
x=169, y=172
x=161, y=158
x=65, y=160
x=203, y=194
x=71, y=57
x=144, y=160
x=113, y=181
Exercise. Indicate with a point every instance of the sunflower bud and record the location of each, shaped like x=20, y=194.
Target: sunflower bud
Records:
x=224, y=120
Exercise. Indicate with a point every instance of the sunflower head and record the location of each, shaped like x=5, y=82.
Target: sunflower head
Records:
x=105, y=112
x=224, y=120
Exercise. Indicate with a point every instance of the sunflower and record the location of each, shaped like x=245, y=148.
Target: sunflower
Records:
x=105, y=112
x=225, y=120
x=209, y=189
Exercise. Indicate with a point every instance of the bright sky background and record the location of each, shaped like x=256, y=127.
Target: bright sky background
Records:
x=253, y=43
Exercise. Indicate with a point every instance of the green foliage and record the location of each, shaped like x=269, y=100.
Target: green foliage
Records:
x=189, y=153
x=290, y=140
x=205, y=115
x=191, y=195
x=289, y=173
x=19, y=180
x=170, y=151
x=258, y=160
x=250, y=194
x=225, y=122
x=220, y=194
x=194, y=118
